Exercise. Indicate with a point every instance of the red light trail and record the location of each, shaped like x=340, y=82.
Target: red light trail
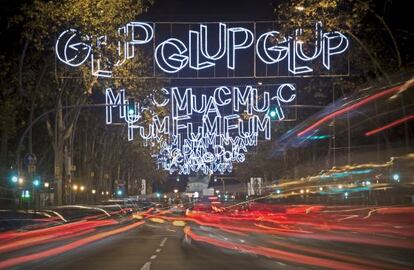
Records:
x=390, y=125
x=339, y=112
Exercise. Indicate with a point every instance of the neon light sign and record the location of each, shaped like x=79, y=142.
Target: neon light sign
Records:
x=219, y=138
x=200, y=51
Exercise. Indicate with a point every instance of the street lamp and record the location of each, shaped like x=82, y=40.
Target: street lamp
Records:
x=46, y=184
x=93, y=191
x=82, y=188
x=175, y=190
x=21, y=180
x=75, y=187
x=300, y=8
x=107, y=192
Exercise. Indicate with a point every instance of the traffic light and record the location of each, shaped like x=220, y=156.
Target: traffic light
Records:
x=25, y=194
x=36, y=182
x=272, y=112
x=396, y=177
x=131, y=106
x=14, y=179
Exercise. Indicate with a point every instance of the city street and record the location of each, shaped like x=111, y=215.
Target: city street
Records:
x=276, y=240
x=151, y=246
x=206, y=135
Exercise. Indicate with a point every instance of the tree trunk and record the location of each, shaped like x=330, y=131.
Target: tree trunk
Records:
x=3, y=150
x=59, y=149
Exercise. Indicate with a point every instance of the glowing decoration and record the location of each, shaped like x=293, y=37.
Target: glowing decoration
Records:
x=213, y=144
x=174, y=62
x=70, y=49
x=232, y=44
x=195, y=53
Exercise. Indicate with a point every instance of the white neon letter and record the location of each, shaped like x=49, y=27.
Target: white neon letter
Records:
x=232, y=46
x=194, y=52
x=176, y=61
x=222, y=39
x=330, y=49
x=280, y=51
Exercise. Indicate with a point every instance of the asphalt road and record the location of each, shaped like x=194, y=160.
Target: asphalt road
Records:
x=316, y=240
x=150, y=246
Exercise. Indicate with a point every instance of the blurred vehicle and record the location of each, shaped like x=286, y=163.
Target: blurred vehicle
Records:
x=27, y=220
x=78, y=212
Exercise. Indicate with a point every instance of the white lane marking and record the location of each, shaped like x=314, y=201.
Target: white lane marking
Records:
x=158, y=250
x=370, y=213
x=171, y=230
x=146, y=266
x=153, y=257
x=163, y=242
x=348, y=217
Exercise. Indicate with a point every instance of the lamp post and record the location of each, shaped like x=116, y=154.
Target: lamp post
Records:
x=75, y=190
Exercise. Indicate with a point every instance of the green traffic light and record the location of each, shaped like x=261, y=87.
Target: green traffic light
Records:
x=14, y=179
x=25, y=194
x=131, y=106
x=36, y=182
